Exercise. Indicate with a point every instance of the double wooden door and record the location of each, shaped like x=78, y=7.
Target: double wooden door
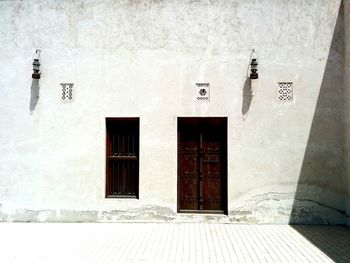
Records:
x=202, y=165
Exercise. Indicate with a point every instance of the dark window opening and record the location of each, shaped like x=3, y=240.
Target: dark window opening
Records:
x=122, y=157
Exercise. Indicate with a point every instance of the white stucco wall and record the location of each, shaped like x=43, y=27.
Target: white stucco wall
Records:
x=142, y=59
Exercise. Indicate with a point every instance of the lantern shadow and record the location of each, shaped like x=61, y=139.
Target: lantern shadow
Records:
x=246, y=98
x=34, y=95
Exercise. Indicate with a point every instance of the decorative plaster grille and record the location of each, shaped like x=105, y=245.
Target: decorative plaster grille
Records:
x=203, y=91
x=285, y=91
x=67, y=92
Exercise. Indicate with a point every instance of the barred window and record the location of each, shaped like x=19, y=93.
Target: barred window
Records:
x=122, y=157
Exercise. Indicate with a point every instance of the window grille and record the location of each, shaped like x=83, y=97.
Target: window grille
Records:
x=122, y=157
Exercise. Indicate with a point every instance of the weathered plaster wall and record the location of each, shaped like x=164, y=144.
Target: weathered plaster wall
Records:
x=142, y=58
x=347, y=100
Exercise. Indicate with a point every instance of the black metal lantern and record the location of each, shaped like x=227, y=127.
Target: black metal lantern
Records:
x=36, y=65
x=253, y=65
x=254, y=69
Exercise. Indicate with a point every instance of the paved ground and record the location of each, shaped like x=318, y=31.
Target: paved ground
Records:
x=173, y=242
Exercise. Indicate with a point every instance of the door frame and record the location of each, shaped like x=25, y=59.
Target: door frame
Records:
x=222, y=121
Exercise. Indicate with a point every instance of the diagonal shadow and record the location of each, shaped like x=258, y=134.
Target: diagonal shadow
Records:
x=320, y=193
x=334, y=241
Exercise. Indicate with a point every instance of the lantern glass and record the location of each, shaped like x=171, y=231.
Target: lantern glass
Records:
x=36, y=64
x=254, y=64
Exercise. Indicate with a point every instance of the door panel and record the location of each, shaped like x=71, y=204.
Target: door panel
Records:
x=212, y=170
x=188, y=170
x=202, y=164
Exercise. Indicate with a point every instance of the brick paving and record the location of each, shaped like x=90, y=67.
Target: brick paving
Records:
x=172, y=242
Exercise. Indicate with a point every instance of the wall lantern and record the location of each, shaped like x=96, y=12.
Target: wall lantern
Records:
x=36, y=65
x=254, y=65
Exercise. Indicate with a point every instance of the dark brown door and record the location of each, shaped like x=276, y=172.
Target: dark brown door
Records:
x=202, y=169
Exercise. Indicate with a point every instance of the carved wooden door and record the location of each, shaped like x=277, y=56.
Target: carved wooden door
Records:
x=202, y=165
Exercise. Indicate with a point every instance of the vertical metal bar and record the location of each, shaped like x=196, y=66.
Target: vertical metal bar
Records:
x=133, y=144
x=118, y=144
x=131, y=174
x=132, y=177
x=128, y=178
x=121, y=176
x=128, y=144
x=121, y=144
x=115, y=180
x=110, y=187
x=112, y=179
x=116, y=184
x=124, y=178
x=123, y=152
x=118, y=176
x=136, y=178
x=134, y=183
x=117, y=150
x=113, y=142
x=200, y=179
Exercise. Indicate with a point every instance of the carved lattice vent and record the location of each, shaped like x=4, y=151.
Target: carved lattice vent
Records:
x=67, y=92
x=285, y=91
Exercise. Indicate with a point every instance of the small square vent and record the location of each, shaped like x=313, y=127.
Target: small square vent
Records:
x=67, y=92
x=285, y=91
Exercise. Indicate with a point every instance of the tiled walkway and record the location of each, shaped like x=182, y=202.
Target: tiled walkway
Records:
x=172, y=242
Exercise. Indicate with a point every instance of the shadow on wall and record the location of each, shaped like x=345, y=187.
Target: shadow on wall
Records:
x=320, y=194
x=247, y=98
x=34, y=95
x=320, y=197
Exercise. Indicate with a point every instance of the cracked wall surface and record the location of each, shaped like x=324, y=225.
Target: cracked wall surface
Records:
x=142, y=59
